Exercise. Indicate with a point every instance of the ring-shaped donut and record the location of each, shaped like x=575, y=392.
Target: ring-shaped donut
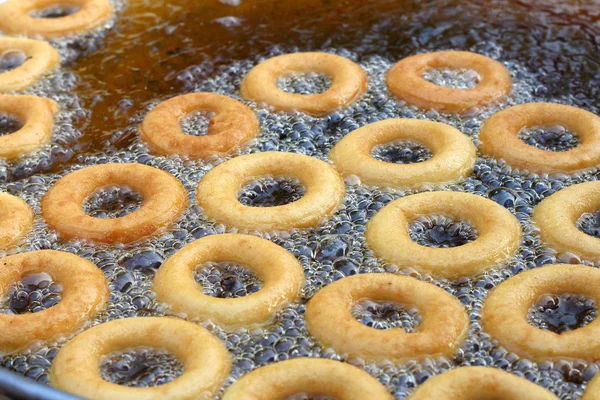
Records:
x=85, y=291
x=16, y=18
x=41, y=59
x=592, y=390
x=444, y=321
x=205, y=359
x=217, y=191
x=453, y=154
x=36, y=115
x=16, y=219
x=498, y=234
x=233, y=124
x=405, y=81
x=164, y=199
x=309, y=376
x=349, y=82
x=468, y=383
x=281, y=274
x=499, y=138
x=505, y=311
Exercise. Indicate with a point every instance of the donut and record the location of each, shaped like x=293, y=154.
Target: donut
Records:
x=444, y=321
x=41, y=58
x=16, y=219
x=499, y=138
x=281, y=274
x=405, y=81
x=480, y=383
x=592, y=390
x=16, y=18
x=217, y=191
x=499, y=234
x=36, y=115
x=233, y=124
x=453, y=158
x=164, y=199
x=205, y=359
x=349, y=82
x=506, y=307
x=308, y=376
x=85, y=291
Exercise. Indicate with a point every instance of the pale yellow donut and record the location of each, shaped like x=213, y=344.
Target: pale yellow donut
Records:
x=405, y=81
x=85, y=291
x=444, y=321
x=592, y=390
x=16, y=219
x=233, y=125
x=41, y=60
x=217, y=192
x=499, y=138
x=349, y=82
x=499, y=234
x=15, y=18
x=506, y=307
x=475, y=383
x=36, y=114
x=281, y=274
x=310, y=376
x=453, y=154
x=205, y=359
x=164, y=199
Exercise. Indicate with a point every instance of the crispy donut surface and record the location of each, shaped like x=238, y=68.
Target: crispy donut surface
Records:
x=41, y=60
x=16, y=219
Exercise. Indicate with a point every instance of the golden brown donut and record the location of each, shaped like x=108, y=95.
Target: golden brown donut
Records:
x=499, y=138
x=499, y=234
x=217, y=192
x=233, y=125
x=453, y=154
x=444, y=321
x=349, y=82
x=405, y=81
x=164, y=199
x=16, y=19
x=592, y=390
x=85, y=291
x=41, y=59
x=16, y=219
x=205, y=359
x=506, y=308
x=310, y=376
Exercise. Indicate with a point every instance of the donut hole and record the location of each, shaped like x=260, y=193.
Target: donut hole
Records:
x=440, y=231
x=271, y=192
x=304, y=83
x=387, y=315
x=113, y=202
x=551, y=138
x=197, y=123
x=401, y=152
x=57, y=11
x=33, y=293
x=9, y=124
x=140, y=367
x=589, y=223
x=11, y=59
x=461, y=78
x=562, y=313
x=226, y=280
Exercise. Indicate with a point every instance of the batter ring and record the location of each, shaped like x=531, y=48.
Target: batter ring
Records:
x=506, y=307
x=36, y=114
x=41, y=59
x=16, y=19
x=480, y=383
x=453, y=154
x=444, y=321
x=84, y=292
x=233, y=125
x=310, y=376
x=164, y=199
x=499, y=138
x=281, y=274
x=16, y=219
x=217, y=192
x=349, y=82
x=205, y=359
x=405, y=81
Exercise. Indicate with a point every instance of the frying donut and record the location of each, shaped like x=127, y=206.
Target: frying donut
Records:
x=16, y=219
x=40, y=59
